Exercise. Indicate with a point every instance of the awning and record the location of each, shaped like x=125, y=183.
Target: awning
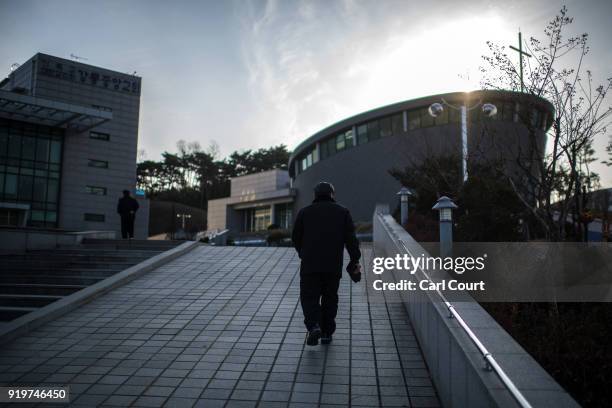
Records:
x=51, y=113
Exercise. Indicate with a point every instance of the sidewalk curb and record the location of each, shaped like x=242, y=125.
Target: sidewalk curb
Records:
x=30, y=321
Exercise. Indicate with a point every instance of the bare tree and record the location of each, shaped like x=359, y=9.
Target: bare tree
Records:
x=557, y=178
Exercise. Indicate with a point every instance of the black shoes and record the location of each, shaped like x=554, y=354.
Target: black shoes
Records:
x=326, y=338
x=313, y=336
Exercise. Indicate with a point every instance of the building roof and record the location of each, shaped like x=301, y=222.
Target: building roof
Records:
x=483, y=95
x=50, y=113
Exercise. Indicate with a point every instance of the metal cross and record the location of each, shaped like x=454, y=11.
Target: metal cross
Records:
x=521, y=53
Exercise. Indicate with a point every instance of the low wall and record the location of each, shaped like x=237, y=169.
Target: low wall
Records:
x=456, y=365
x=15, y=240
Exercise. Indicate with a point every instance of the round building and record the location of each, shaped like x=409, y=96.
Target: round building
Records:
x=356, y=154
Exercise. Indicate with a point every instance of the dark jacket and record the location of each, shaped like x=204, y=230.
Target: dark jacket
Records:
x=126, y=205
x=320, y=233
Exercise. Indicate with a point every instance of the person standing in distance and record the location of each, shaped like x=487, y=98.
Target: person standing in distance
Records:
x=126, y=208
x=321, y=232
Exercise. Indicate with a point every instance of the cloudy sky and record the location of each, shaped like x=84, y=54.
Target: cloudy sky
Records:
x=250, y=74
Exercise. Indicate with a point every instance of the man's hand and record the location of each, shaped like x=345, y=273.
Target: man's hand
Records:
x=354, y=271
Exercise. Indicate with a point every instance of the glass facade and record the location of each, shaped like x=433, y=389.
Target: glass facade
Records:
x=30, y=166
x=393, y=125
x=283, y=215
x=257, y=219
x=260, y=218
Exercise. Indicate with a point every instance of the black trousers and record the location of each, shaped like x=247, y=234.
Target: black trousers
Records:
x=127, y=226
x=319, y=299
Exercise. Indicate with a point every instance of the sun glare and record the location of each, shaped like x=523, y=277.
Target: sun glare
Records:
x=441, y=58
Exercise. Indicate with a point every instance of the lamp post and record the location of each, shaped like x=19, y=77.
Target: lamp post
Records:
x=404, y=194
x=488, y=109
x=445, y=206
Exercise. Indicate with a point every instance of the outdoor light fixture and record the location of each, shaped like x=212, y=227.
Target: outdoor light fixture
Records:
x=488, y=109
x=445, y=206
x=404, y=195
x=435, y=109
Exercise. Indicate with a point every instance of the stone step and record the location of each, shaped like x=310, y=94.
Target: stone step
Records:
x=134, y=243
x=21, y=300
x=58, y=272
x=52, y=279
x=95, y=251
x=12, y=288
x=35, y=264
x=59, y=258
x=8, y=313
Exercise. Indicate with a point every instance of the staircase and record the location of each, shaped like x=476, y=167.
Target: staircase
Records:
x=35, y=279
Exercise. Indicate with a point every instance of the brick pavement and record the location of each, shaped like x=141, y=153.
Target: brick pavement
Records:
x=222, y=327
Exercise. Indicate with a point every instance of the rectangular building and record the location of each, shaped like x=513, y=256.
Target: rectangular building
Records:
x=68, y=145
x=256, y=202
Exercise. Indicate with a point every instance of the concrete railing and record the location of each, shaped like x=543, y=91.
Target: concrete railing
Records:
x=472, y=360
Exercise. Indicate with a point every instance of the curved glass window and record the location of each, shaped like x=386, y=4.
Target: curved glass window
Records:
x=393, y=125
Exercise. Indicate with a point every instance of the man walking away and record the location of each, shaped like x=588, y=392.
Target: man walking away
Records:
x=320, y=233
x=126, y=208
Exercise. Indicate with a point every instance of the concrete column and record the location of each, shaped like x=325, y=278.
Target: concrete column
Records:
x=272, y=213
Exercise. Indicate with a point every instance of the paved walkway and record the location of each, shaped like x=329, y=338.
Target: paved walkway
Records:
x=222, y=326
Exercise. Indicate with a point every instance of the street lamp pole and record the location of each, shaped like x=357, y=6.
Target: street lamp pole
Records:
x=445, y=206
x=488, y=109
x=404, y=194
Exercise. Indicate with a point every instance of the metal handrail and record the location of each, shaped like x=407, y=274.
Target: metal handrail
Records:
x=490, y=362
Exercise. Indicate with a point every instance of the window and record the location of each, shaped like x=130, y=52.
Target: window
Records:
x=306, y=160
x=385, y=127
x=373, y=130
x=14, y=145
x=55, y=155
x=340, y=142
x=507, y=112
x=442, y=119
x=257, y=219
x=349, y=139
x=101, y=164
x=426, y=119
x=323, y=147
x=28, y=148
x=362, y=134
x=99, y=136
x=42, y=150
x=397, y=123
x=454, y=115
x=331, y=146
x=26, y=184
x=414, y=119
x=30, y=162
x=93, y=217
x=96, y=190
x=474, y=115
